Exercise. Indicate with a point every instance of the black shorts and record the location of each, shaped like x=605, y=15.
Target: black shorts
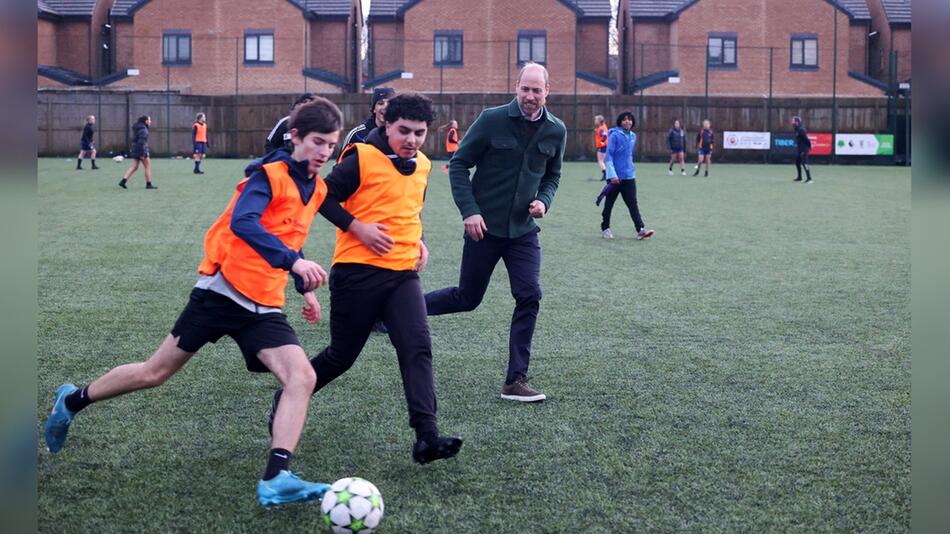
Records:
x=209, y=316
x=84, y=146
x=139, y=154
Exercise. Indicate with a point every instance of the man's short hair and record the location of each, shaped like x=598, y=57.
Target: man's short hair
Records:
x=533, y=64
x=381, y=93
x=320, y=115
x=410, y=106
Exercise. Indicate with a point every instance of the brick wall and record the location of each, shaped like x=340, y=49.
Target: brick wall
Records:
x=72, y=46
x=592, y=52
x=45, y=42
x=758, y=27
x=490, y=45
x=902, y=43
x=217, y=43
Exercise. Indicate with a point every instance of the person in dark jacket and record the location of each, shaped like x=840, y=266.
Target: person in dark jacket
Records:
x=517, y=150
x=86, y=146
x=622, y=176
x=377, y=118
x=705, y=143
x=279, y=136
x=139, y=152
x=803, y=144
x=676, y=141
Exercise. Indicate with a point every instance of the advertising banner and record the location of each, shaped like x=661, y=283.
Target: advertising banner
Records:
x=746, y=140
x=864, y=145
x=784, y=143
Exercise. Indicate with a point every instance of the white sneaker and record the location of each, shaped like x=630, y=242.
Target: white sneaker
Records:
x=608, y=234
x=683, y=172
x=670, y=172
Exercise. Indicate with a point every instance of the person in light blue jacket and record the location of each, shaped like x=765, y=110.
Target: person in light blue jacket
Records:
x=621, y=175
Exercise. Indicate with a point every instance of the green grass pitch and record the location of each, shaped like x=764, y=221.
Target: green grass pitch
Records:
x=746, y=369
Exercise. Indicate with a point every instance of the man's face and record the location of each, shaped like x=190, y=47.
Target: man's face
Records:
x=92, y=120
x=379, y=111
x=531, y=91
x=406, y=137
x=315, y=147
x=795, y=123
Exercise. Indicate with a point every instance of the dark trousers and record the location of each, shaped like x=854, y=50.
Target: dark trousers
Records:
x=522, y=257
x=361, y=294
x=801, y=160
x=628, y=190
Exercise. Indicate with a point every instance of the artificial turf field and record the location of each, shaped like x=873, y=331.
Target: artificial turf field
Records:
x=746, y=369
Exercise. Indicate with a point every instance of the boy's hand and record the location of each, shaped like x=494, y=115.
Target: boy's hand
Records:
x=371, y=235
x=313, y=275
x=423, y=257
x=311, y=308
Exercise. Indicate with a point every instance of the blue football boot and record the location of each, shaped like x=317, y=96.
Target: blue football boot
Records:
x=287, y=487
x=59, y=419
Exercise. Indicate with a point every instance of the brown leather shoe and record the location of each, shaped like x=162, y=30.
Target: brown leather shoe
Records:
x=520, y=391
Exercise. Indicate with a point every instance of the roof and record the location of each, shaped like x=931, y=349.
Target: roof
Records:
x=319, y=8
x=395, y=9
x=897, y=11
x=670, y=9
x=67, y=8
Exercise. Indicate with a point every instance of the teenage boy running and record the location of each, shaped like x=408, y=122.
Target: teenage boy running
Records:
x=384, y=180
x=241, y=291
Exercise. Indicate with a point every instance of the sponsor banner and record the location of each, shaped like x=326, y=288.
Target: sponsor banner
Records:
x=746, y=140
x=821, y=144
x=784, y=143
x=864, y=145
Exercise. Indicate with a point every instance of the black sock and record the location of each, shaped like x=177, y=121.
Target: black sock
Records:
x=671, y=167
x=93, y=162
x=77, y=400
x=603, y=175
x=278, y=460
x=79, y=163
x=197, y=163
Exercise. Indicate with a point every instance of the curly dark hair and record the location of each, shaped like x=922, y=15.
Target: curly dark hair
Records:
x=409, y=106
x=320, y=115
x=626, y=115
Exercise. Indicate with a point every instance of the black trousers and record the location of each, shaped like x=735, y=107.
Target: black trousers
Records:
x=801, y=160
x=522, y=257
x=628, y=190
x=361, y=294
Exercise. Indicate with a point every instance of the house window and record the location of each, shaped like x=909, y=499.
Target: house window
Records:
x=176, y=48
x=804, y=52
x=721, y=50
x=259, y=46
x=447, y=48
x=532, y=46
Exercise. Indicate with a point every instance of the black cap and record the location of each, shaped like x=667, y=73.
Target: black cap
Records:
x=381, y=93
x=302, y=98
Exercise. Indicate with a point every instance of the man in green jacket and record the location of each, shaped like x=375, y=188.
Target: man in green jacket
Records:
x=517, y=150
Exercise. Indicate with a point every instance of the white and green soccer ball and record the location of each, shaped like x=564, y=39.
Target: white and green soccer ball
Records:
x=352, y=506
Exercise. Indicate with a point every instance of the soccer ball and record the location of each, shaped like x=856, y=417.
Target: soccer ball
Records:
x=351, y=506
x=118, y=159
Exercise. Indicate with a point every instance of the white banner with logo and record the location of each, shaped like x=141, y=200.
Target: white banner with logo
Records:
x=747, y=140
x=864, y=145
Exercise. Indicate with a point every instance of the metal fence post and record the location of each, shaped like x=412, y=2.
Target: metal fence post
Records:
x=834, y=92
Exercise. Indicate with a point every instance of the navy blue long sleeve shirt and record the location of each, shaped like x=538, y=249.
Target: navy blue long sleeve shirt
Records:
x=250, y=206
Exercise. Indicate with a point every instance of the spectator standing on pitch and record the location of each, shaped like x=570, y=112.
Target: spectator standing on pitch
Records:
x=139, y=152
x=803, y=144
x=279, y=136
x=451, y=142
x=249, y=250
x=600, y=143
x=199, y=140
x=86, y=146
x=518, y=150
x=621, y=143
x=384, y=180
x=376, y=119
x=676, y=141
x=704, y=144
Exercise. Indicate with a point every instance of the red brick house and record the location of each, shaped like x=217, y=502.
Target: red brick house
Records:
x=890, y=30
x=213, y=47
x=666, y=46
x=460, y=46
x=69, y=41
